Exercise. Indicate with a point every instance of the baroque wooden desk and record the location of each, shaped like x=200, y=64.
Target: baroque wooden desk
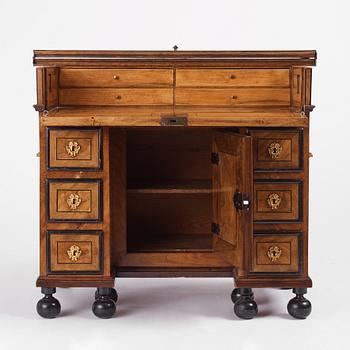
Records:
x=174, y=164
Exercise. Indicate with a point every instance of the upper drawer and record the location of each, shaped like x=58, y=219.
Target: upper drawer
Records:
x=232, y=77
x=230, y=97
x=115, y=77
x=74, y=148
x=115, y=97
x=277, y=149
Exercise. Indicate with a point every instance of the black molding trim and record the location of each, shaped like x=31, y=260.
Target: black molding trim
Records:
x=75, y=232
x=100, y=149
x=299, y=235
x=301, y=150
x=300, y=201
x=100, y=200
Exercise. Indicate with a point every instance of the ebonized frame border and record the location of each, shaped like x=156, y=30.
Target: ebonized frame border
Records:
x=75, y=232
x=299, y=235
x=300, y=169
x=100, y=149
x=100, y=199
x=300, y=200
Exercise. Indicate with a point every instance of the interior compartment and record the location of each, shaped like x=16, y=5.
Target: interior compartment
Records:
x=169, y=190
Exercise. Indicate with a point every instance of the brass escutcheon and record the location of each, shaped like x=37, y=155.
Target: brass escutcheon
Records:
x=275, y=150
x=74, y=253
x=73, y=148
x=73, y=201
x=274, y=201
x=274, y=253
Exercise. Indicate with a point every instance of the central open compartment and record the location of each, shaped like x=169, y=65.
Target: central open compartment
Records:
x=169, y=190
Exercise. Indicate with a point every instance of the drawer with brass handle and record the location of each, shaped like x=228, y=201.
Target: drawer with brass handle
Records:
x=74, y=148
x=232, y=77
x=277, y=149
x=74, y=251
x=277, y=201
x=276, y=253
x=115, y=77
x=74, y=200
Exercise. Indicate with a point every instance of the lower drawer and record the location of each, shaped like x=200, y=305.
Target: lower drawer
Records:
x=75, y=252
x=276, y=253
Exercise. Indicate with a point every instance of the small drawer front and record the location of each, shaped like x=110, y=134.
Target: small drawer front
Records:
x=75, y=251
x=232, y=77
x=115, y=77
x=232, y=97
x=274, y=253
x=277, y=201
x=74, y=148
x=70, y=200
x=277, y=149
x=115, y=97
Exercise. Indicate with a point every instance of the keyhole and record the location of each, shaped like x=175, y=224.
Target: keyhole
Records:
x=74, y=201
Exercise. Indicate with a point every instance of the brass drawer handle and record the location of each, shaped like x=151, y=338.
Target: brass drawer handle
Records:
x=73, y=201
x=274, y=201
x=115, y=77
x=73, y=148
x=275, y=150
x=274, y=253
x=74, y=252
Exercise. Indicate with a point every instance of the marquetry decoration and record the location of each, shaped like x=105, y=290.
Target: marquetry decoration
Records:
x=74, y=253
x=274, y=253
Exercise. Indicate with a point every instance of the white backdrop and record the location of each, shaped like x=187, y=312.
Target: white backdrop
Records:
x=180, y=313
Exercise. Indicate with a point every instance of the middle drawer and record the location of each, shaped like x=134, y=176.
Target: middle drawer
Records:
x=276, y=200
x=74, y=200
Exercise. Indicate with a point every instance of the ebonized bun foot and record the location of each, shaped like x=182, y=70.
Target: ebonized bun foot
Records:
x=299, y=307
x=104, y=305
x=246, y=307
x=113, y=295
x=48, y=306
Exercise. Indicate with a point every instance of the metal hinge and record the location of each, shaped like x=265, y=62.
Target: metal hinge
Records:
x=215, y=158
x=215, y=228
x=241, y=201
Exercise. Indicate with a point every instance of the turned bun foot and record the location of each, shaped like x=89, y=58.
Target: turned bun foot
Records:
x=104, y=305
x=299, y=307
x=246, y=307
x=235, y=295
x=48, y=306
x=113, y=295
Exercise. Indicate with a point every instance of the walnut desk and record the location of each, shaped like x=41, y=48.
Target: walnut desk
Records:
x=174, y=163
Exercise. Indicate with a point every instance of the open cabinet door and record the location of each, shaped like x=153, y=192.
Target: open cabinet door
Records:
x=232, y=192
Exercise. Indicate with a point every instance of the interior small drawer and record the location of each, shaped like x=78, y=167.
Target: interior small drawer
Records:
x=75, y=251
x=74, y=148
x=232, y=77
x=230, y=97
x=115, y=96
x=277, y=201
x=277, y=149
x=115, y=77
x=276, y=253
x=74, y=200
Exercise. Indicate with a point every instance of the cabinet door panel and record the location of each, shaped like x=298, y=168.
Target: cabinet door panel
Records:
x=232, y=173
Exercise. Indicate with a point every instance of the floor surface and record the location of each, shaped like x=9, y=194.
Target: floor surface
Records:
x=169, y=314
